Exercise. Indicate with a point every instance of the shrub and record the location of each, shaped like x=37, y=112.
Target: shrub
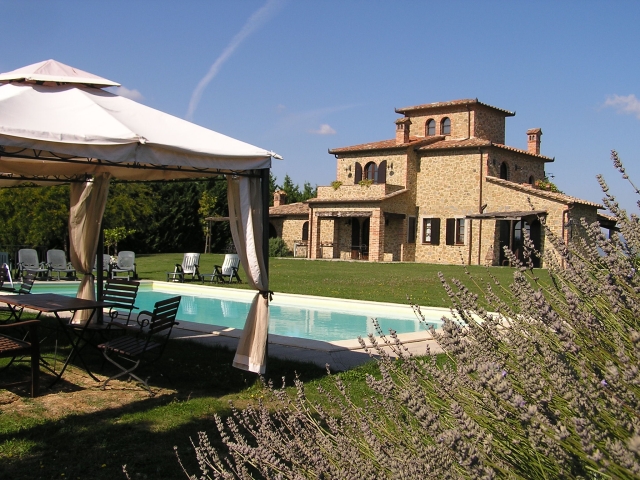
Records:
x=545, y=385
x=278, y=248
x=336, y=184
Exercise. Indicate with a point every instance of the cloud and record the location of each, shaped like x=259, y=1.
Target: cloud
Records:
x=629, y=104
x=259, y=18
x=130, y=94
x=324, y=129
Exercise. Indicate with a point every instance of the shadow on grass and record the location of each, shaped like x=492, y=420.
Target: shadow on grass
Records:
x=38, y=439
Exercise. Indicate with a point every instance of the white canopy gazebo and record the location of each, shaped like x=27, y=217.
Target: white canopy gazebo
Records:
x=58, y=125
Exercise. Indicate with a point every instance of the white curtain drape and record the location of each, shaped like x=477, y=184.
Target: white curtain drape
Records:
x=88, y=200
x=245, y=215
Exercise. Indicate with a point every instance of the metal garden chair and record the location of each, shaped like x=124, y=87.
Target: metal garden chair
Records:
x=144, y=343
x=12, y=347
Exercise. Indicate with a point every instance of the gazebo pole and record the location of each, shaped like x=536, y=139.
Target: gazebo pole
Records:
x=99, y=267
x=265, y=239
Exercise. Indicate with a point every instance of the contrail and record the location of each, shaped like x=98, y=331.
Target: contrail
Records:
x=255, y=21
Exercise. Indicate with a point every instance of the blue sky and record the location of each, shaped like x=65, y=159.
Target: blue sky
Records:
x=300, y=77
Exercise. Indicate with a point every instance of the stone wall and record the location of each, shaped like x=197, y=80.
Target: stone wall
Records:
x=448, y=186
x=396, y=166
x=520, y=166
x=489, y=125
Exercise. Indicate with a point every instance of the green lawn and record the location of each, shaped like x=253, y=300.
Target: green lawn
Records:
x=383, y=282
x=77, y=431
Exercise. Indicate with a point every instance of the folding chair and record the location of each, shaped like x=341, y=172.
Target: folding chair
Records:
x=145, y=343
x=12, y=347
x=122, y=293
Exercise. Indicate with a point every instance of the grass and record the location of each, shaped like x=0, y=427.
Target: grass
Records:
x=383, y=282
x=77, y=431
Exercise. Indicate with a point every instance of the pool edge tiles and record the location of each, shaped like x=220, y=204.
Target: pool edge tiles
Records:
x=293, y=299
x=216, y=331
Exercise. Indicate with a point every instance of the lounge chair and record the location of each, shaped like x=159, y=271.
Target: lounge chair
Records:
x=106, y=264
x=190, y=264
x=28, y=261
x=15, y=313
x=227, y=271
x=144, y=343
x=126, y=264
x=6, y=282
x=57, y=262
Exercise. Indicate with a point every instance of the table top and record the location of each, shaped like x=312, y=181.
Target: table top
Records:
x=52, y=302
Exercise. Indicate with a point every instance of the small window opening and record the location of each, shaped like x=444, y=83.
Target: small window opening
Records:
x=431, y=128
x=445, y=126
x=504, y=171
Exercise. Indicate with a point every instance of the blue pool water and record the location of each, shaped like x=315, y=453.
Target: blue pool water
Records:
x=292, y=320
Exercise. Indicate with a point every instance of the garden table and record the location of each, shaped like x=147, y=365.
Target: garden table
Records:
x=55, y=303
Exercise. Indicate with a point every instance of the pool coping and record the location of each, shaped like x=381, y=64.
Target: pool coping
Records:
x=340, y=354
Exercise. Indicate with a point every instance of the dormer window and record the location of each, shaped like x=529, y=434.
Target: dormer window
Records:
x=445, y=126
x=431, y=128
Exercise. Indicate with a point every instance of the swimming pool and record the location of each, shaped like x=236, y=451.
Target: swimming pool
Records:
x=316, y=318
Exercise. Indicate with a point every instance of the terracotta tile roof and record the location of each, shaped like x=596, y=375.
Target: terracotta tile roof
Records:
x=386, y=144
x=460, y=143
x=478, y=142
x=525, y=152
x=290, y=209
x=453, y=103
x=560, y=197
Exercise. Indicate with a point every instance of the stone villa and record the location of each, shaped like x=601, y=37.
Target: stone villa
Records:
x=445, y=190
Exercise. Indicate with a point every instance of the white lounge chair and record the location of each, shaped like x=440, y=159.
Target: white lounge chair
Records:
x=57, y=262
x=126, y=264
x=106, y=263
x=190, y=265
x=28, y=261
x=227, y=271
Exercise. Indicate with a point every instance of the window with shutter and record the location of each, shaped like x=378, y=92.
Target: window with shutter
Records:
x=431, y=231
x=382, y=172
x=411, y=230
x=358, y=173
x=451, y=231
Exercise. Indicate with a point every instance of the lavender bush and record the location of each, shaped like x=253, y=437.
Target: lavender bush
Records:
x=545, y=385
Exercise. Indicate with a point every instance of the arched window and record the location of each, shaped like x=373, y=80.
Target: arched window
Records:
x=305, y=231
x=531, y=180
x=273, y=233
x=431, y=128
x=371, y=172
x=445, y=126
x=504, y=171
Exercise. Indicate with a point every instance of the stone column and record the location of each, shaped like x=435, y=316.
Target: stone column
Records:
x=314, y=237
x=376, y=236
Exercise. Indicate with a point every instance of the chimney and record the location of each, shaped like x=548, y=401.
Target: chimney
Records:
x=533, y=140
x=279, y=198
x=403, y=128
